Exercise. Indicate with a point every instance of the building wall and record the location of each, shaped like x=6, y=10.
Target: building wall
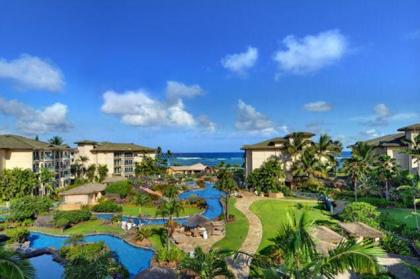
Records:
x=80, y=199
x=106, y=158
x=2, y=159
x=255, y=158
x=85, y=150
x=18, y=159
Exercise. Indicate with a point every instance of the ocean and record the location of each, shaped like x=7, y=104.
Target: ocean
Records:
x=215, y=158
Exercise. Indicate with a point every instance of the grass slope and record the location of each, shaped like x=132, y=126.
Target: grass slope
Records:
x=236, y=231
x=133, y=210
x=273, y=213
x=400, y=216
x=92, y=226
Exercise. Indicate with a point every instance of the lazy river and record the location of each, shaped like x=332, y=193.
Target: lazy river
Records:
x=135, y=259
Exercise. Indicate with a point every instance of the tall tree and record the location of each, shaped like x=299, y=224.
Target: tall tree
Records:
x=13, y=266
x=91, y=172
x=102, y=172
x=17, y=183
x=412, y=191
x=141, y=200
x=47, y=181
x=414, y=151
x=208, y=265
x=386, y=169
x=360, y=164
x=326, y=150
x=56, y=140
x=227, y=184
x=169, y=207
x=269, y=177
x=293, y=254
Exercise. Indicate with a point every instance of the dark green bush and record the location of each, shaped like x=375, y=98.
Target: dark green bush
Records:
x=122, y=188
x=379, y=202
x=107, y=206
x=395, y=245
x=29, y=207
x=65, y=219
x=361, y=212
x=18, y=235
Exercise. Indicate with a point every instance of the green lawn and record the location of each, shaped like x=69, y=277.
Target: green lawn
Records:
x=273, y=212
x=92, y=226
x=133, y=210
x=235, y=231
x=400, y=216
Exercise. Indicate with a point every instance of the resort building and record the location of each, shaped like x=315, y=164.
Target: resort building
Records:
x=257, y=154
x=192, y=169
x=120, y=158
x=25, y=153
x=396, y=146
x=87, y=194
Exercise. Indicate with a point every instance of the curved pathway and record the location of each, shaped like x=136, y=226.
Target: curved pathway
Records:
x=240, y=266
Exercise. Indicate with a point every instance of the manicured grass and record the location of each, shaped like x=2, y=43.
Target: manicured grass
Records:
x=400, y=216
x=133, y=210
x=273, y=212
x=236, y=231
x=92, y=226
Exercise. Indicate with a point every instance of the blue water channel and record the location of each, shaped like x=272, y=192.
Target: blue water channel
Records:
x=135, y=259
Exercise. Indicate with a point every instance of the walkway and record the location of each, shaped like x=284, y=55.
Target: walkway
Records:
x=240, y=267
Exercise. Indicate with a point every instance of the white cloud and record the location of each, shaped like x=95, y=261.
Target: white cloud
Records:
x=383, y=115
x=137, y=108
x=206, y=123
x=239, y=63
x=32, y=121
x=319, y=106
x=31, y=72
x=249, y=119
x=176, y=90
x=371, y=133
x=311, y=53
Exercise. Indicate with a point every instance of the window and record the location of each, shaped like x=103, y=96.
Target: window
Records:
x=128, y=162
x=129, y=169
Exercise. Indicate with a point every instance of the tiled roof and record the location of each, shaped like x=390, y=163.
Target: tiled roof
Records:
x=195, y=167
x=415, y=127
x=388, y=140
x=267, y=144
x=23, y=143
x=85, y=189
x=109, y=146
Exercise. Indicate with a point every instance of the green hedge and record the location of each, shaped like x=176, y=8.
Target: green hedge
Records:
x=122, y=188
x=107, y=206
x=28, y=207
x=361, y=212
x=65, y=219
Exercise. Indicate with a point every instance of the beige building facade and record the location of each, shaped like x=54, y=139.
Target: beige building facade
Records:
x=120, y=158
x=397, y=145
x=25, y=153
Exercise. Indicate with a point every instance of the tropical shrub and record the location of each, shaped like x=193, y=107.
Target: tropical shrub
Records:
x=267, y=178
x=361, y=212
x=395, y=245
x=122, y=188
x=91, y=260
x=14, y=265
x=375, y=201
x=170, y=254
x=17, y=183
x=65, y=219
x=29, y=207
x=107, y=206
x=18, y=235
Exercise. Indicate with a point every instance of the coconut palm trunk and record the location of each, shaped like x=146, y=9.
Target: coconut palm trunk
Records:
x=386, y=190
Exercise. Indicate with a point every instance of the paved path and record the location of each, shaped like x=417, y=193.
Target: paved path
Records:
x=240, y=266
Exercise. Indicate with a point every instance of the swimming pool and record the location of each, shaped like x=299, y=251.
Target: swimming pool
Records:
x=46, y=268
x=209, y=193
x=135, y=259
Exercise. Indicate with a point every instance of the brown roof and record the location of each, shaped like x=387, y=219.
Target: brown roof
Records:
x=414, y=127
x=271, y=143
x=85, y=189
x=194, y=167
x=123, y=147
x=197, y=221
x=388, y=140
x=23, y=143
x=358, y=229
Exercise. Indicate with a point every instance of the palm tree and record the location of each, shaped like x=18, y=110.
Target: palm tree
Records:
x=360, y=164
x=296, y=144
x=414, y=151
x=75, y=239
x=326, y=150
x=208, y=265
x=56, y=140
x=412, y=190
x=168, y=208
x=141, y=200
x=13, y=266
x=47, y=181
x=310, y=166
x=102, y=172
x=90, y=172
x=293, y=254
x=386, y=168
x=228, y=185
x=80, y=164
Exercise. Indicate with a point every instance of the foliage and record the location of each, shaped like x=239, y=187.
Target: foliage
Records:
x=293, y=254
x=107, y=206
x=227, y=184
x=412, y=191
x=375, y=201
x=395, y=245
x=91, y=172
x=72, y=217
x=14, y=266
x=91, y=260
x=29, y=207
x=361, y=212
x=56, y=140
x=168, y=208
x=17, y=183
x=148, y=166
x=141, y=200
x=47, y=181
x=122, y=188
x=386, y=168
x=170, y=254
x=19, y=234
x=267, y=178
x=102, y=172
x=208, y=265
x=75, y=239
x=143, y=233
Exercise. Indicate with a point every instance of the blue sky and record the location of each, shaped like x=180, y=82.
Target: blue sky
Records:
x=208, y=75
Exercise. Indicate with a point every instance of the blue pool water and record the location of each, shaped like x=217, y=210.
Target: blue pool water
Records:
x=46, y=268
x=135, y=259
x=209, y=193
